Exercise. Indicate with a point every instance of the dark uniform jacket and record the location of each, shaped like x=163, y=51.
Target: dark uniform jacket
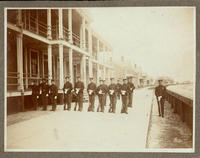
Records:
x=124, y=89
x=79, y=85
x=131, y=87
x=118, y=86
x=91, y=89
x=102, y=88
x=160, y=91
x=53, y=90
x=67, y=88
x=35, y=90
x=112, y=89
x=40, y=87
x=45, y=90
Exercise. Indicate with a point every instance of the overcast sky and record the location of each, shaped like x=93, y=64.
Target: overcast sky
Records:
x=160, y=40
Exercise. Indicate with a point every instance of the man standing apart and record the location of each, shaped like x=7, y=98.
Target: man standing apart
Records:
x=78, y=88
x=91, y=89
x=67, y=94
x=124, y=93
x=53, y=93
x=160, y=91
x=112, y=90
x=131, y=87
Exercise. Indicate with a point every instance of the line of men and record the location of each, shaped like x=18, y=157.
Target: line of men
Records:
x=43, y=92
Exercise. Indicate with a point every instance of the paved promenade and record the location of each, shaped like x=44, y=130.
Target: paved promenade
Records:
x=82, y=131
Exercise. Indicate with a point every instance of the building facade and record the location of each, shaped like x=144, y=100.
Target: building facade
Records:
x=51, y=44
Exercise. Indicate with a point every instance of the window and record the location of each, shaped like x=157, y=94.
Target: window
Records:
x=34, y=63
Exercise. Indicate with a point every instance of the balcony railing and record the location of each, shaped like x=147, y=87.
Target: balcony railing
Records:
x=36, y=26
x=13, y=77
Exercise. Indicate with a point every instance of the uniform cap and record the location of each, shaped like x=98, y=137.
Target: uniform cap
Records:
x=91, y=77
x=111, y=78
x=78, y=77
x=68, y=76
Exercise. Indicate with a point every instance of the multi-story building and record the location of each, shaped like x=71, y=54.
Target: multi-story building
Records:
x=52, y=43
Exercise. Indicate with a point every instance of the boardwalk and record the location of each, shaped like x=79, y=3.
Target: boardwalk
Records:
x=75, y=131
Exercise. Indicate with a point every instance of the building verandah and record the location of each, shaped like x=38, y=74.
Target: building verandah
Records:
x=37, y=60
x=51, y=44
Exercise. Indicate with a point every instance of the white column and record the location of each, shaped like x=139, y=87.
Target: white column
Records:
x=97, y=74
x=81, y=35
x=104, y=72
x=38, y=63
x=83, y=68
x=25, y=19
x=90, y=65
x=70, y=25
x=90, y=41
x=60, y=23
x=49, y=35
x=98, y=50
x=71, y=65
x=83, y=32
x=37, y=27
x=29, y=19
x=19, y=17
x=26, y=68
x=49, y=63
x=20, y=61
x=98, y=62
x=61, y=66
x=104, y=50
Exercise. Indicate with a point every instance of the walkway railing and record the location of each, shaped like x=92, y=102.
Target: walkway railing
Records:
x=182, y=105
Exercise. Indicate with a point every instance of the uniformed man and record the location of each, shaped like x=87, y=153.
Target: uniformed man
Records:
x=67, y=91
x=160, y=91
x=124, y=93
x=101, y=92
x=78, y=89
x=53, y=94
x=118, y=88
x=35, y=94
x=91, y=89
x=40, y=92
x=112, y=91
x=131, y=87
x=106, y=92
x=45, y=94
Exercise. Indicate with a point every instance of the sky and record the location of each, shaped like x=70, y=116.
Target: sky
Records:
x=159, y=39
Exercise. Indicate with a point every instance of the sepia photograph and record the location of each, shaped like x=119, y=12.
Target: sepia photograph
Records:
x=100, y=79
